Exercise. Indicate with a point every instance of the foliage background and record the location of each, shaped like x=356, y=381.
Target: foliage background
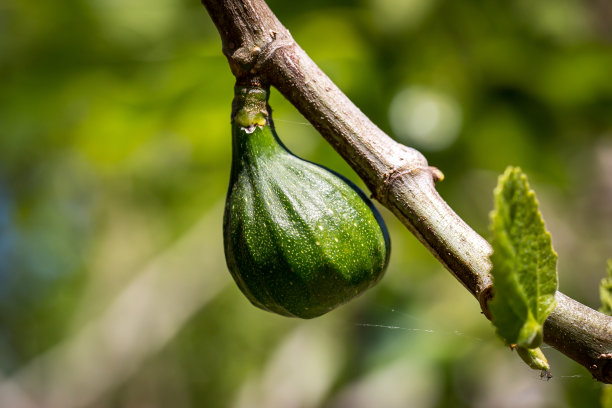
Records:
x=114, y=162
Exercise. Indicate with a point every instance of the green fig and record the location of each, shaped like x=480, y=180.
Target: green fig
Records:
x=299, y=239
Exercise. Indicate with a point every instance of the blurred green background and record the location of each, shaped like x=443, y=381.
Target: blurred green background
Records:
x=114, y=163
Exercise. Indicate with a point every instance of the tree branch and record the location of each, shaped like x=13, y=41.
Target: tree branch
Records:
x=261, y=50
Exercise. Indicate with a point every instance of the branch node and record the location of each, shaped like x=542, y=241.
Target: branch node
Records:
x=406, y=170
x=436, y=173
x=250, y=59
x=269, y=49
x=603, y=370
x=485, y=296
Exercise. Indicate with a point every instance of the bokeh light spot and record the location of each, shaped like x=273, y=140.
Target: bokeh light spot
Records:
x=424, y=117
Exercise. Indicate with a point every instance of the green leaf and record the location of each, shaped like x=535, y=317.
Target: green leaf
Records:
x=606, y=396
x=605, y=291
x=605, y=295
x=534, y=358
x=524, y=263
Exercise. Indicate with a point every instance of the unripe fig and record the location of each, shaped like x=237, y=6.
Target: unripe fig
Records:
x=299, y=239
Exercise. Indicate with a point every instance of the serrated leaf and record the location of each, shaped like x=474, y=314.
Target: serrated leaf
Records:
x=524, y=263
x=605, y=291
